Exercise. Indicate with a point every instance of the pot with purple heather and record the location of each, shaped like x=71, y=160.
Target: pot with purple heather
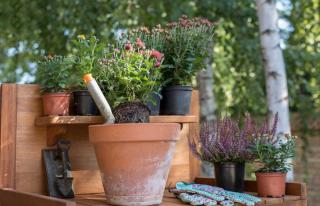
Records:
x=226, y=145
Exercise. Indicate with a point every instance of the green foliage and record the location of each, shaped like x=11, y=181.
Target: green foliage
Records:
x=273, y=155
x=184, y=45
x=53, y=74
x=128, y=73
x=87, y=52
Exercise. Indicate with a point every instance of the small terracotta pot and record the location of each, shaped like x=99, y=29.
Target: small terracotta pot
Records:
x=56, y=103
x=134, y=160
x=271, y=184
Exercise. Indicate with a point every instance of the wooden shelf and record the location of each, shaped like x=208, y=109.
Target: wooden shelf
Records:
x=57, y=125
x=68, y=120
x=80, y=120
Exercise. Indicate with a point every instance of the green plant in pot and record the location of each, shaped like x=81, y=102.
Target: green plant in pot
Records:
x=53, y=76
x=184, y=44
x=87, y=52
x=271, y=153
x=134, y=156
x=225, y=145
x=128, y=76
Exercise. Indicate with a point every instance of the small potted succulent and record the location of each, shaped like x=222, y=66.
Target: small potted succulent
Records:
x=134, y=156
x=271, y=153
x=87, y=51
x=225, y=145
x=53, y=76
x=184, y=46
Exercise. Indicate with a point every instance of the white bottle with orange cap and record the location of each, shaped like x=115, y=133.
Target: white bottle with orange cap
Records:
x=99, y=98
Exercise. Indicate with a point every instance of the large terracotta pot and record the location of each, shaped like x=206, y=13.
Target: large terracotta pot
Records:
x=134, y=160
x=56, y=103
x=271, y=184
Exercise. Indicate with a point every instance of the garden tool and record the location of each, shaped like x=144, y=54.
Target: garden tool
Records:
x=99, y=98
x=58, y=169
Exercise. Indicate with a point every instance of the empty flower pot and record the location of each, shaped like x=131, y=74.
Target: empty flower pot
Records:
x=134, y=160
x=56, y=103
x=271, y=184
x=175, y=100
x=83, y=103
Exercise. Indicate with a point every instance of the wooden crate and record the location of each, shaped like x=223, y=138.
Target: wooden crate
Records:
x=24, y=133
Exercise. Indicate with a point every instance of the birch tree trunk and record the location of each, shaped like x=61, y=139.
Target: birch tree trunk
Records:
x=276, y=80
x=207, y=103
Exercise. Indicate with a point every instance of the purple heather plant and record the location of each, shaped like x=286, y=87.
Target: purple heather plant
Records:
x=224, y=141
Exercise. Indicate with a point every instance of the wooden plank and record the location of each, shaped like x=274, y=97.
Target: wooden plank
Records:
x=87, y=181
x=194, y=129
x=173, y=119
x=10, y=197
x=30, y=140
x=65, y=120
x=74, y=120
x=8, y=124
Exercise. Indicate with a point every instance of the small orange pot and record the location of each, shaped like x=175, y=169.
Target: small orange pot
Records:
x=134, y=160
x=271, y=184
x=56, y=103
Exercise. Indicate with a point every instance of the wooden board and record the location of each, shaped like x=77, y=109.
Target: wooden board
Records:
x=9, y=197
x=65, y=120
x=296, y=193
x=8, y=124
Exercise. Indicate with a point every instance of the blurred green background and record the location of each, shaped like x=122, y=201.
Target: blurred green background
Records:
x=31, y=29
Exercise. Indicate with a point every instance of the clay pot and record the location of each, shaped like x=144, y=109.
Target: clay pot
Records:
x=134, y=160
x=56, y=103
x=271, y=184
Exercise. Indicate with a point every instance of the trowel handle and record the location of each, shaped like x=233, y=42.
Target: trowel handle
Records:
x=99, y=98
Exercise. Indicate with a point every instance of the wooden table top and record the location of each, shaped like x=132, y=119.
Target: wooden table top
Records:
x=170, y=200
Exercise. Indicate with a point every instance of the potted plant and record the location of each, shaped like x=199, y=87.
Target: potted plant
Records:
x=87, y=51
x=128, y=76
x=184, y=46
x=53, y=76
x=271, y=154
x=225, y=145
x=133, y=155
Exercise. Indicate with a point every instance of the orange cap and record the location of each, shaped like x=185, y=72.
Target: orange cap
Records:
x=87, y=78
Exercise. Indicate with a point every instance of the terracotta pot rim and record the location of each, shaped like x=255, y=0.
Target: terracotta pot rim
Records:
x=270, y=174
x=132, y=124
x=134, y=132
x=63, y=94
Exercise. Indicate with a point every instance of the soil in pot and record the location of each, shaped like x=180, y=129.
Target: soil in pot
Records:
x=83, y=103
x=230, y=176
x=134, y=160
x=175, y=100
x=56, y=103
x=154, y=104
x=271, y=184
x=131, y=112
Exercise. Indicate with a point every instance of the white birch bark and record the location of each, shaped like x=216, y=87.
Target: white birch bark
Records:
x=207, y=104
x=276, y=80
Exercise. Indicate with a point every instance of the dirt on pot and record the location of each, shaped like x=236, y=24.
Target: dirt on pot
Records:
x=131, y=112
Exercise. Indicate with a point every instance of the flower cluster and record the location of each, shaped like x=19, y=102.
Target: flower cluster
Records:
x=129, y=72
x=185, y=45
x=224, y=141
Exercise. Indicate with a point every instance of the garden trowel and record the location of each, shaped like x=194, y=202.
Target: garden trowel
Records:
x=58, y=170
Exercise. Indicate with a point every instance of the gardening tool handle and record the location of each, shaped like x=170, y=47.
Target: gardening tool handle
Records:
x=99, y=98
